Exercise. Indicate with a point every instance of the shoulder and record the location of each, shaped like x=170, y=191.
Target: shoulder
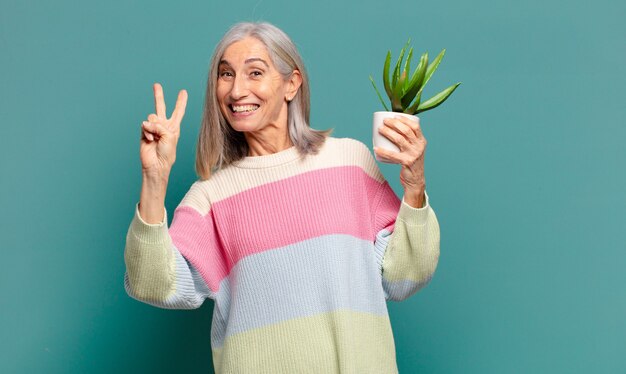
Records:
x=353, y=148
x=353, y=152
x=350, y=143
x=198, y=197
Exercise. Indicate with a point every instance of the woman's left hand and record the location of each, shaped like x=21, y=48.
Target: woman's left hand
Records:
x=407, y=135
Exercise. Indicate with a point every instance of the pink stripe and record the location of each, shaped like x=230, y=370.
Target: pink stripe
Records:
x=387, y=209
x=281, y=213
x=296, y=209
x=195, y=237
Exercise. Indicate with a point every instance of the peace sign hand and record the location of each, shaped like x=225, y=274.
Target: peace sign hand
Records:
x=160, y=135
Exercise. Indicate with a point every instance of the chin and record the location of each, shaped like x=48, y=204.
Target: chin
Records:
x=247, y=127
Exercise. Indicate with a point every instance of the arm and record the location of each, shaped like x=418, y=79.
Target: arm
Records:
x=156, y=272
x=407, y=242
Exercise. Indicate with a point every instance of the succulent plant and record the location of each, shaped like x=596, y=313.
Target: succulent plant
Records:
x=405, y=90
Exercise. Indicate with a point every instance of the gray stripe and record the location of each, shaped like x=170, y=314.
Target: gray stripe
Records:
x=401, y=290
x=306, y=278
x=190, y=286
x=382, y=240
x=221, y=309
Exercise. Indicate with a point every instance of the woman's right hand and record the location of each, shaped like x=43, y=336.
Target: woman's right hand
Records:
x=159, y=135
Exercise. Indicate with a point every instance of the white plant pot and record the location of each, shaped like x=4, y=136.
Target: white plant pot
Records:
x=379, y=140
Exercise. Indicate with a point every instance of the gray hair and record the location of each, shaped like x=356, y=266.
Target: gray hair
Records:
x=218, y=143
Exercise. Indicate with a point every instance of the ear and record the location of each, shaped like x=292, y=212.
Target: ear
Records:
x=293, y=84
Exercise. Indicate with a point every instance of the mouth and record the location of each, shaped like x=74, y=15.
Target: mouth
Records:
x=248, y=108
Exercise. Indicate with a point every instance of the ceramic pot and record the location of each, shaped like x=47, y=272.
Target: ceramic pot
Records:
x=378, y=139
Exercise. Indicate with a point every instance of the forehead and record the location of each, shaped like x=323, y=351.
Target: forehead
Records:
x=249, y=47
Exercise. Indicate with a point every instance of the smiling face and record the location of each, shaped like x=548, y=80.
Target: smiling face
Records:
x=251, y=93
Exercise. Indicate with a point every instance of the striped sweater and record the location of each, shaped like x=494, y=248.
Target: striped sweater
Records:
x=299, y=255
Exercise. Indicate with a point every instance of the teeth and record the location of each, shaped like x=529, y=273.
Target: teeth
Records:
x=244, y=108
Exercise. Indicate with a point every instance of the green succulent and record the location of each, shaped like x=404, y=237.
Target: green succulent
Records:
x=405, y=90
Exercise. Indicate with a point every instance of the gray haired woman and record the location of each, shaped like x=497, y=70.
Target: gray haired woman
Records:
x=294, y=234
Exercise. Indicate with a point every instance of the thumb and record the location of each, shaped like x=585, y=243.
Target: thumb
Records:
x=155, y=128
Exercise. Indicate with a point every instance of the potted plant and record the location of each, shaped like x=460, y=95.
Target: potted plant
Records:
x=405, y=91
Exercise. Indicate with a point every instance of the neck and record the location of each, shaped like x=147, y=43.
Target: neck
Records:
x=268, y=142
x=261, y=148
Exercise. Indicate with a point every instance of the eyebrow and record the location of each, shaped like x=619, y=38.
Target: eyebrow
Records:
x=253, y=59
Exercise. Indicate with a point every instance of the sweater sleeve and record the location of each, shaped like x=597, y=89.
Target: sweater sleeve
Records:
x=407, y=243
x=156, y=271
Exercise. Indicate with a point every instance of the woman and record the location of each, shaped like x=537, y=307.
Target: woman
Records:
x=295, y=235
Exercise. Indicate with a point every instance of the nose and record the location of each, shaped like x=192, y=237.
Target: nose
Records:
x=239, y=88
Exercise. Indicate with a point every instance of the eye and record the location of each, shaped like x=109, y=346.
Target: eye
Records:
x=225, y=73
x=256, y=73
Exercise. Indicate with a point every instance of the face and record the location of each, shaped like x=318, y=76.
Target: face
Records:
x=251, y=93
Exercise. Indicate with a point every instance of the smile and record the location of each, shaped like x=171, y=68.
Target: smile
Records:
x=243, y=108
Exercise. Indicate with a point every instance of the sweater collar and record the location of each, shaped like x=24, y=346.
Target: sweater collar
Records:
x=266, y=161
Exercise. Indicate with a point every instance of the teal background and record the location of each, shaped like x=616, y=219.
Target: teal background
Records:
x=524, y=168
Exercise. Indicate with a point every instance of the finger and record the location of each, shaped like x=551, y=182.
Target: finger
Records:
x=416, y=129
x=153, y=118
x=148, y=136
x=146, y=127
x=145, y=132
x=413, y=124
x=392, y=134
x=181, y=104
x=384, y=155
x=391, y=156
x=401, y=127
x=149, y=128
x=155, y=128
x=159, y=101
